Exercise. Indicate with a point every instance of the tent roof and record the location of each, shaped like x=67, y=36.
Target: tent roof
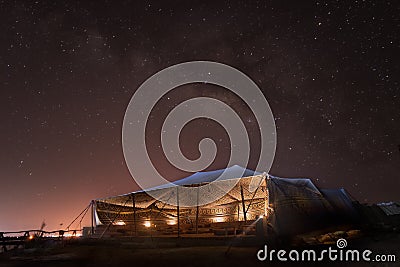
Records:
x=390, y=208
x=229, y=173
x=286, y=185
x=233, y=172
x=280, y=188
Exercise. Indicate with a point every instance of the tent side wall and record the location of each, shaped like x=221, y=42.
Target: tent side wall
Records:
x=142, y=212
x=299, y=206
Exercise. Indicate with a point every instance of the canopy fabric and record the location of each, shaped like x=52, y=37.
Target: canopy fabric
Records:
x=390, y=208
x=299, y=206
x=233, y=172
x=340, y=201
x=226, y=179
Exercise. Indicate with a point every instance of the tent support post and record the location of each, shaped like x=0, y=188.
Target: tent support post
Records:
x=243, y=205
x=251, y=200
x=265, y=202
x=265, y=197
x=134, y=214
x=92, y=211
x=177, y=210
x=197, y=212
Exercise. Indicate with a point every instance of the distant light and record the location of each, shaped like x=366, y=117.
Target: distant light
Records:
x=147, y=224
x=69, y=234
x=31, y=237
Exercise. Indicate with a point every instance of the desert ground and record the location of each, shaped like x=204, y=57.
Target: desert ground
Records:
x=232, y=251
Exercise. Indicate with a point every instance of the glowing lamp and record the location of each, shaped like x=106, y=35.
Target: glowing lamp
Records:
x=218, y=219
x=171, y=222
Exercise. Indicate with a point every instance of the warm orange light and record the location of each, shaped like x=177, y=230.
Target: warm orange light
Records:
x=218, y=219
x=171, y=222
x=120, y=222
x=31, y=237
x=147, y=224
x=72, y=234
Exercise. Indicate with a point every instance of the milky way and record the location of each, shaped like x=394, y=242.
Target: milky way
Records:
x=68, y=70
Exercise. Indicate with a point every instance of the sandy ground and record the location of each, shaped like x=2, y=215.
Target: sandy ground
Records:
x=173, y=252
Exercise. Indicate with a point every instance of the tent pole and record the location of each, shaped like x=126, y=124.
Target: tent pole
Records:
x=266, y=196
x=265, y=199
x=243, y=205
x=251, y=200
x=238, y=207
x=134, y=214
x=197, y=212
x=177, y=210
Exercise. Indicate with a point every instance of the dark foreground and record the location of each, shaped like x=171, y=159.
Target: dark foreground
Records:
x=176, y=252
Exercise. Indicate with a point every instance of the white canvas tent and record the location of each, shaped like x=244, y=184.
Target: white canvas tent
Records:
x=292, y=205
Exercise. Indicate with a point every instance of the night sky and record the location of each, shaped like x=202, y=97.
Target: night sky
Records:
x=329, y=70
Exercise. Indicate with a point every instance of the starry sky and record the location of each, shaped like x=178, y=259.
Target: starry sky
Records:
x=329, y=70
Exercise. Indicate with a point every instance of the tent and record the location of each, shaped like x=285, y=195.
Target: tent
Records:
x=299, y=206
x=381, y=215
x=291, y=205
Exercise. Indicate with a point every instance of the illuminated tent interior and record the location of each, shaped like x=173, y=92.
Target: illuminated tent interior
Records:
x=290, y=205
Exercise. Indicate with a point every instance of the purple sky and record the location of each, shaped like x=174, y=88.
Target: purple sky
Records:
x=68, y=70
